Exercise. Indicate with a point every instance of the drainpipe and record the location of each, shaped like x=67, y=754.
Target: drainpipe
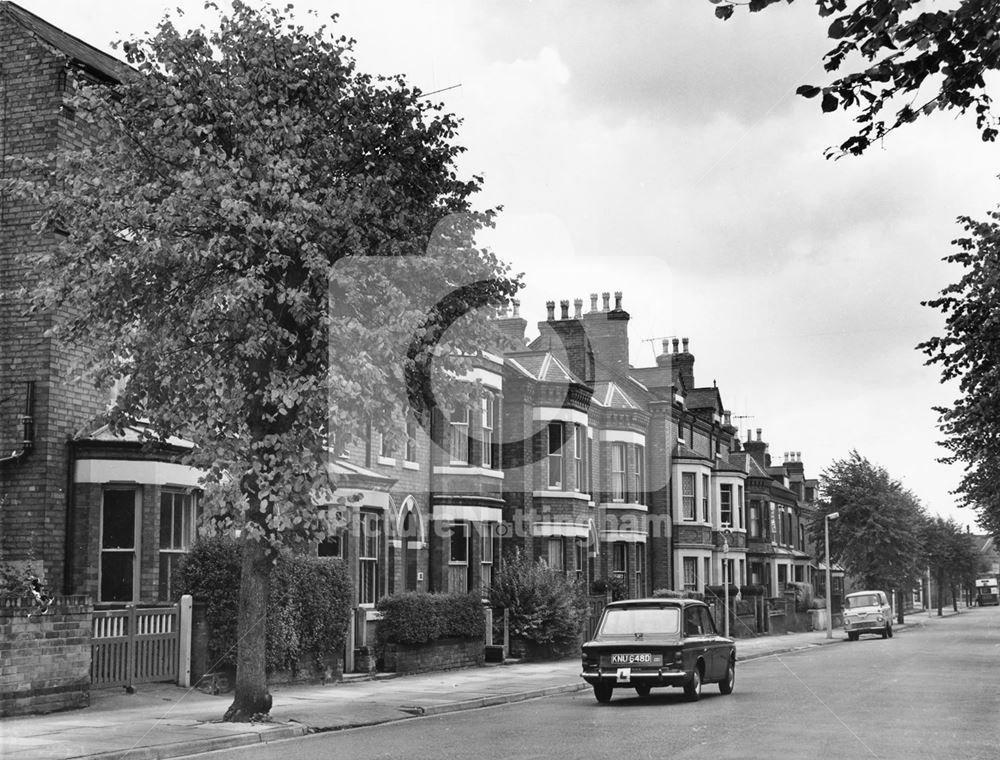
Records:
x=69, y=542
x=28, y=423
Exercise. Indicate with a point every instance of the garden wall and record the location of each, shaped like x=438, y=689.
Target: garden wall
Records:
x=442, y=654
x=44, y=659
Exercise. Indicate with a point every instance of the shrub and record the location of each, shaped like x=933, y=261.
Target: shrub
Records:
x=308, y=611
x=419, y=618
x=544, y=606
x=614, y=584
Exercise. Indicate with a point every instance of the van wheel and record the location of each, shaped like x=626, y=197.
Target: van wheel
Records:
x=729, y=679
x=852, y=635
x=642, y=691
x=603, y=693
x=692, y=689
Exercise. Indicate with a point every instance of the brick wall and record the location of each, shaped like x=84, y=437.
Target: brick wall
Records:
x=444, y=654
x=44, y=659
x=34, y=81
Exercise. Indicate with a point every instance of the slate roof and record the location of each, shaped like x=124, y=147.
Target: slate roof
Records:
x=542, y=366
x=138, y=432
x=703, y=398
x=610, y=395
x=96, y=62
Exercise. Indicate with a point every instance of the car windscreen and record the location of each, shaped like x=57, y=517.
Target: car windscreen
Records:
x=646, y=620
x=866, y=600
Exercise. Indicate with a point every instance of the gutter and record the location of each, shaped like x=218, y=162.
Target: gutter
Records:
x=28, y=423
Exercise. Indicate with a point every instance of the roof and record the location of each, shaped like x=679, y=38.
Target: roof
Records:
x=542, y=366
x=610, y=394
x=138, y=432
x=683, y=452
x=755, y=470
x=95, y=61
x=703, y=398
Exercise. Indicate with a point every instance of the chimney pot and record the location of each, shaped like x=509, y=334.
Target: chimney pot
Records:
x=728, y=417
x=517, y=307
x=578, y=308
x=593, y=301
x=758, y=434
x=684, y=343
x=550, y=307
x=618, y=300
x=677, y=343
x=606, y=300
x=666, y=346
x=564, y=309
x=749, y=436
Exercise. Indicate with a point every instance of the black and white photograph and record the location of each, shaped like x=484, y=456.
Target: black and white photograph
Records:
x=349, y=402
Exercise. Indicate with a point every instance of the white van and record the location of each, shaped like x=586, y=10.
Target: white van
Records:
x=867, y=612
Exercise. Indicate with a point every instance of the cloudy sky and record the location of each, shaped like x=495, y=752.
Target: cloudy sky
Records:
x=649, y=148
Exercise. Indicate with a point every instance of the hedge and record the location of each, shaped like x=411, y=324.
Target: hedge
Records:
x=544, y=605
x=309, y=604
x=417, y=617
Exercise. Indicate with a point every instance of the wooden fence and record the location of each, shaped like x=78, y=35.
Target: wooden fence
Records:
x=141, y=645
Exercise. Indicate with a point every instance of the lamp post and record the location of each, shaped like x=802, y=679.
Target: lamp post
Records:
x=829, y=599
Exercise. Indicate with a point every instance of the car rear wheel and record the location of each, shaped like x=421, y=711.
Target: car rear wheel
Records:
x=603, y=693
x=692, y=689
x=642, y=691
x=729, y=679
x=890, y=631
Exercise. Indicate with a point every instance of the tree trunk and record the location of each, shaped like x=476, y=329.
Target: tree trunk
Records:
x=899, y=606
x=954, y=598
x=251, y=698
x=940, y=596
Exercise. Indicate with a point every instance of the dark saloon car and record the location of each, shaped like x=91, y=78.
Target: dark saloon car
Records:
x=642, y=643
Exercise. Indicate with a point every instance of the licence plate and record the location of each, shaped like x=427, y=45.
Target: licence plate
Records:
x=632, y=659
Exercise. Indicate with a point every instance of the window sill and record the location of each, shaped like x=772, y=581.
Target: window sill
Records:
x=388, y=461
x=407, y=465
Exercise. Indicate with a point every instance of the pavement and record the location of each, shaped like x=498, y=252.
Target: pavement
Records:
x=166, y=721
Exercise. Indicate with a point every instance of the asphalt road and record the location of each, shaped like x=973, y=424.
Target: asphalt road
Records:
x=927, y=693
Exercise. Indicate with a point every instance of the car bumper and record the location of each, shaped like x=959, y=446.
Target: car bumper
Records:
x=866, y=625
x=662, y=677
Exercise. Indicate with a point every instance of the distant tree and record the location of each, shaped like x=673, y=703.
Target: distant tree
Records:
x=951, y=558
x=876, y=536
x=207, y=261
x=903, y=61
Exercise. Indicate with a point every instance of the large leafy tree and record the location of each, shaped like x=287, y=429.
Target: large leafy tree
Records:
x=969, y=353
x=876, y=535
x=899, y=60
x=258, y=255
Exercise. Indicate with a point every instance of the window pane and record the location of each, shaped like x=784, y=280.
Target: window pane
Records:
x=116, y=576
x=459, y=543
x=555, y=455
x=687, y=494
x=119, y=520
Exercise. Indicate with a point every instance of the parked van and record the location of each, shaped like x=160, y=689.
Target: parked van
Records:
x=867, y=612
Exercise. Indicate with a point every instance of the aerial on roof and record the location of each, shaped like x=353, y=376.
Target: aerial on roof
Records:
x=96, y=62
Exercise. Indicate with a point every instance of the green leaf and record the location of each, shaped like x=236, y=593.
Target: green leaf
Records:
x=830, y=102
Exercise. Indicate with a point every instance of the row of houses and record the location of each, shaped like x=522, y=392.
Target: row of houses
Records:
x=632, y=475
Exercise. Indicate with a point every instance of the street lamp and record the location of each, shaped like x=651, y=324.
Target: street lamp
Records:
x=829, y=600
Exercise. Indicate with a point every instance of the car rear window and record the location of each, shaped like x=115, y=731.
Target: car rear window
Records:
x=865, y=600
x=647, y=620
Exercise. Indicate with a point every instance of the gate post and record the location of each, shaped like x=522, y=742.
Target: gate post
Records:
x=184, y=641
x=130, y=650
